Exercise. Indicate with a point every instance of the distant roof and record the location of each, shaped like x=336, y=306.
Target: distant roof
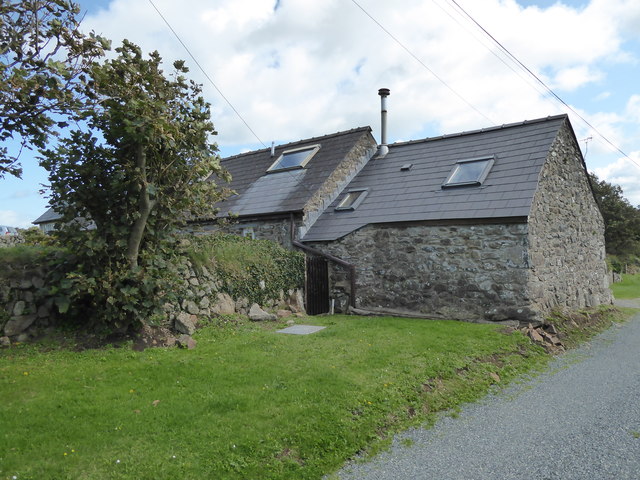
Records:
x=260, y=192
x=394, y=195
x=49, y=216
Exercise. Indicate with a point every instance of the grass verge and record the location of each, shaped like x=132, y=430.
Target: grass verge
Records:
x=247, y=403
x=628, y=288
x=577, y=327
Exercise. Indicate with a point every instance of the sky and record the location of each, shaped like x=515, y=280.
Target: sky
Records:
x=285, y=70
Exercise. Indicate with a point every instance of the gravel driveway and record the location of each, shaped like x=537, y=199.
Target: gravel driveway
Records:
x=579, y=420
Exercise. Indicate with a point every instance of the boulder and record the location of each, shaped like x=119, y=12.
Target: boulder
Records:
x=18, y=308
x=296, y=301
x=224, y=305
x=258, y=315
x=242, y=305
x=185, y=341
x=186, y=323
x=5, y=342
x=191, y=307
x=204, y=302
x=284, y=313
x=18, y=324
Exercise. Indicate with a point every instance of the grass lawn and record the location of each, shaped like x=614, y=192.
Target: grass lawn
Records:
x=247, y=403
x=629, y=287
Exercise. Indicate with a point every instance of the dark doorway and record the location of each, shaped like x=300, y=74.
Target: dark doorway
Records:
x=317, y=290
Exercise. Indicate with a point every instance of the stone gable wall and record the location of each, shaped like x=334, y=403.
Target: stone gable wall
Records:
x=566, y=234
x=465, y=272
x=353, y=162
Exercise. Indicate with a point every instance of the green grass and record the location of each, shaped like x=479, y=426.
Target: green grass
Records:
x=628, y=288
x=247, y=403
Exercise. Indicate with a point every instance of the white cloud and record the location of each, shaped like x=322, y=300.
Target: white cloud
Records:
x=310, y=68
x=571, y=78
x=633, y=108
x=626, y=173
x=12, y=218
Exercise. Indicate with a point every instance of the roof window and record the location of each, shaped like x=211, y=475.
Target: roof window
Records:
x=352, y=199
x=469, y=172
x=294, y=158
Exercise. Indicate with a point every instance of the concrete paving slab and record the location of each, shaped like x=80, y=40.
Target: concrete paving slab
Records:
x=301, y=329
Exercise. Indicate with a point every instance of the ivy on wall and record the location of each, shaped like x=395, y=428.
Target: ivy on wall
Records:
x=257, y=270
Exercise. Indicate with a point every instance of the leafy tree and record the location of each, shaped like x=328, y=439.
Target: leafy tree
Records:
x=129, y=180
x=43, y=65
x=621, y=219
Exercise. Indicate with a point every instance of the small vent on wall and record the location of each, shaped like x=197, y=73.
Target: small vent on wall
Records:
x=406, y=167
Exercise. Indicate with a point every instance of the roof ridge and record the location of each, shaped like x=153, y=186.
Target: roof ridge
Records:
x=304, y=140
x=482, y=130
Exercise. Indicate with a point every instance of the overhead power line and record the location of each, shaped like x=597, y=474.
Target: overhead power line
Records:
x=541, y=82
x=299, y=181
x=206, y=74
x=417, y=59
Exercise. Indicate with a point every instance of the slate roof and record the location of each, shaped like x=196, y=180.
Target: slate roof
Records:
x=261, y=193
x=416, y=195
x=49, y=216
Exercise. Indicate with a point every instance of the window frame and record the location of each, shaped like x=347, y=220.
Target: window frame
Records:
x=313, y=149
x=363, y=192
x=490, y=159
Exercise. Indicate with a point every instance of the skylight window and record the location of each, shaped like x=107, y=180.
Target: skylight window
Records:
x=469, y=172
x=295, y=158
x=352, y=200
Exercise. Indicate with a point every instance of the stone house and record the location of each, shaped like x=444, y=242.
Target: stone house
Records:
x=495, y=224
x=48, y=220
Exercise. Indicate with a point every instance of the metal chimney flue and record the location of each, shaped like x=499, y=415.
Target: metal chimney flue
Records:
x=384, y=93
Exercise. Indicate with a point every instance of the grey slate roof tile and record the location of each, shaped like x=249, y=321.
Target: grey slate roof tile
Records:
x=520, y=151
x=49, y=216
x=260, y=192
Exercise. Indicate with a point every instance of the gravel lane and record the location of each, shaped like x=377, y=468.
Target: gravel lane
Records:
x=579, y=420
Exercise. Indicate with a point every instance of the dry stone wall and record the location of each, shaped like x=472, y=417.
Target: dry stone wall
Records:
x=28, y=313
x=11, y=240
x=25, y=310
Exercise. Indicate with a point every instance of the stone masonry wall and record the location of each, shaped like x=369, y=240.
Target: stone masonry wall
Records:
x=566, y=241
x=465, y=272
x=27, y=313
x=275, y=230
x=11, y=240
